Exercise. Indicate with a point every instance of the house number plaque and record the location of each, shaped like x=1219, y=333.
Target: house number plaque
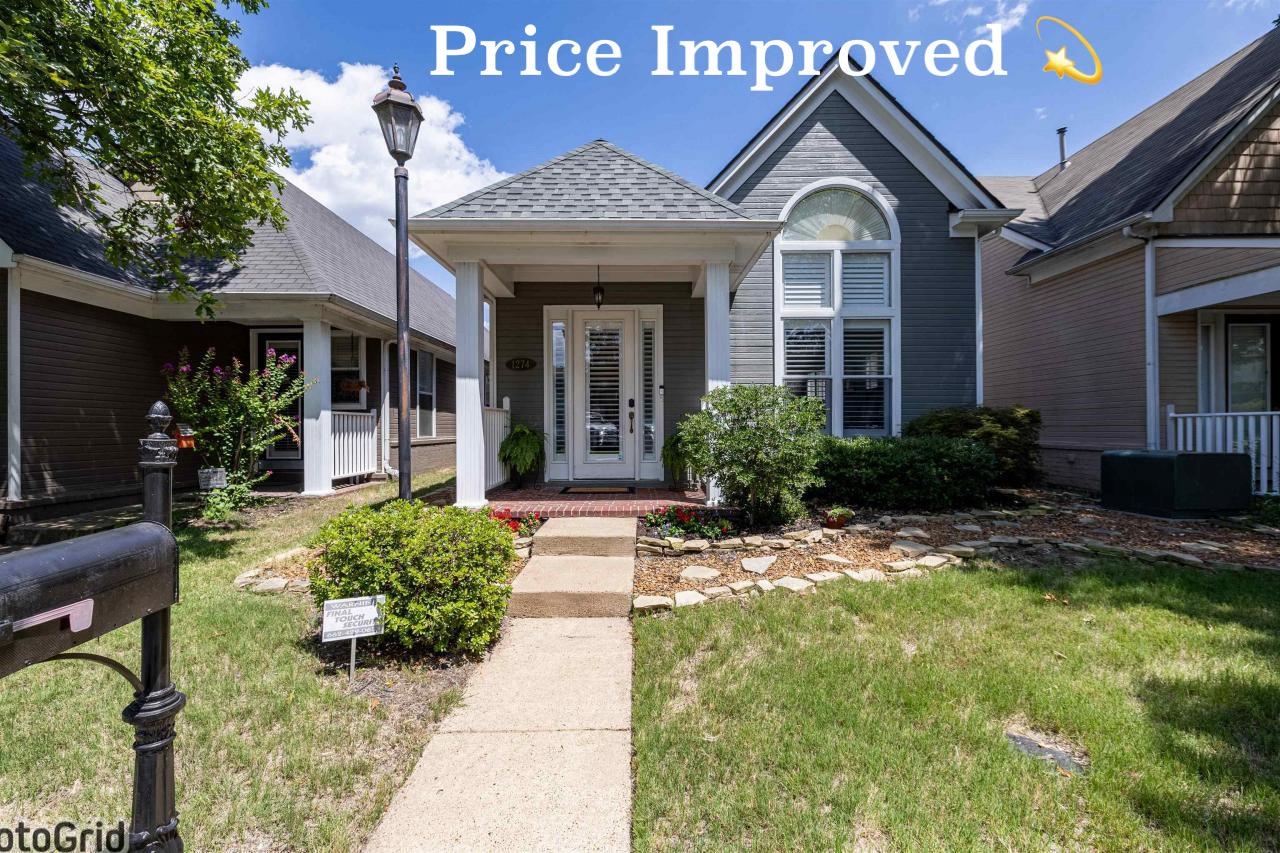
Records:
x=521, y=364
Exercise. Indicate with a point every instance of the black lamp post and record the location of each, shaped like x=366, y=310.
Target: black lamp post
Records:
x=400, y=117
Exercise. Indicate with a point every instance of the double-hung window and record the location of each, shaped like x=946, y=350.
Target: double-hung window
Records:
x=836, y=308
x=425, y=396
x=346, y=379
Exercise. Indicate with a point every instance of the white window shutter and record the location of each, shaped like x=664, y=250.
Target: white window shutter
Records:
x=806, y=279
x=805, y=348
x=864, y=279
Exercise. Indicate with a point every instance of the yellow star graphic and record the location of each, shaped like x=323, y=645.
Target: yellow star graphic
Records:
x=1058, y=62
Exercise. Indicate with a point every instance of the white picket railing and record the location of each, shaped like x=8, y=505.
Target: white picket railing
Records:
x=355, y=443
x=497, y=423
x=1255, y=433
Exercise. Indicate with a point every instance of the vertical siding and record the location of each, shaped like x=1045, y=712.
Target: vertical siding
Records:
x=1179, y=373
x=1177, y=269
x=1241, y=194
x=520, y=336
x=1071, y=347
x=938, y=322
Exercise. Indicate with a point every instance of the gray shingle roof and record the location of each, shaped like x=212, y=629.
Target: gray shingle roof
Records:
x=1131, y=169
x=318, y=252
x=1021, y=193
x=598, y=180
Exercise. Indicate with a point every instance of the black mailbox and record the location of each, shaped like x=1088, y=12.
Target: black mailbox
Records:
x=59, y=596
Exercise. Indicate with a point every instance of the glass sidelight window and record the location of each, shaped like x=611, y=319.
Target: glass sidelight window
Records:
x=648, y=389
x=1248, y=367
x=559, y=393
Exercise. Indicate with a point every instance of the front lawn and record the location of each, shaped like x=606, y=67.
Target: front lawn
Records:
x=873, y=716
x=274, y=751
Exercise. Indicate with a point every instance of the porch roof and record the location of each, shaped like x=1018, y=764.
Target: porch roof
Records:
x=596, y=205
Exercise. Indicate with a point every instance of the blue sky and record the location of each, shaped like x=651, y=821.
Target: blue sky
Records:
x=693, y=125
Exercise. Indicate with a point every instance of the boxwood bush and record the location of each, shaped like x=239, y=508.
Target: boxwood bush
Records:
x=1012, y=434
x=444, y=571
x=926, y=473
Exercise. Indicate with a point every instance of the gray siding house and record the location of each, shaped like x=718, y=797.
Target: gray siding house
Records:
x=836, y=254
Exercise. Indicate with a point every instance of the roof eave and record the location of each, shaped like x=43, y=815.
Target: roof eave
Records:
x=431, y=225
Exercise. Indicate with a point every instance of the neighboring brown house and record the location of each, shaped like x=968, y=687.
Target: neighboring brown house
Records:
x=85, y=342
x=1136, y=301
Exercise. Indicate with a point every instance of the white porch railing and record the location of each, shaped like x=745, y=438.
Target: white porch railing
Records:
x=1255, y=433
x=497, y=424
x=355, y=443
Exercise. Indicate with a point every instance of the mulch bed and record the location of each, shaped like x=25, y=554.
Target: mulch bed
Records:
x=1066, y=517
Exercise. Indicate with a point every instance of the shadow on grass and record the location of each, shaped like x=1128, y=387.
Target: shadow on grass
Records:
x=1222, y=728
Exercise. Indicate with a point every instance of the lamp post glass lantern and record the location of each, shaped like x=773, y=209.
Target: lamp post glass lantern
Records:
x=400, y=118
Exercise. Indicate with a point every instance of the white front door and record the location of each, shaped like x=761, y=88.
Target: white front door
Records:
x=604, y=395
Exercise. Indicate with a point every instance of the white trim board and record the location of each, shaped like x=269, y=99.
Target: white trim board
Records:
x=1256, y=283
x=868, y=99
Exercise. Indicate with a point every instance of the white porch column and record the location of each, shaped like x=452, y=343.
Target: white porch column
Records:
x=716, y=325
x=384, y=405
x=716, y=340
x=469, y=333
x=14, y=384
x=317, y=437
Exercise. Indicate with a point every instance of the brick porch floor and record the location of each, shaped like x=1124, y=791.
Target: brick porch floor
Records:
x=549, y=502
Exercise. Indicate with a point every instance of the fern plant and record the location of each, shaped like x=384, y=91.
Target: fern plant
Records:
x=522, y=451
x=675, y=458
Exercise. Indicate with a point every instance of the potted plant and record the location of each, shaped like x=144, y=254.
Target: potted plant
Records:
x=838, y=517
x=522, y=451
x=675, y=458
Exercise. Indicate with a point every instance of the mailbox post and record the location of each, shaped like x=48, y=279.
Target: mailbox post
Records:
x=154, y=710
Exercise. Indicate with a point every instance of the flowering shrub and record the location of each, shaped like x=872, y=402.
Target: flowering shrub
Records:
x=519, y=525
x=685, y=522
x=236, y=414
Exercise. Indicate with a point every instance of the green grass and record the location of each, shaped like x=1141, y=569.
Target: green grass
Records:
x=873, y=714
x=273, y=750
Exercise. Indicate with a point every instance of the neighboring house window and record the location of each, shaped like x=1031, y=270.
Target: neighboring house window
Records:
x=347, y=386
x=426, y=395
x=837, y=311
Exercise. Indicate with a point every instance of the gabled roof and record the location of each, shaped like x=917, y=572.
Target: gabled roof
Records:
x=318, y=252
x=595, y=181
x=900, y=127
x=1134, y=168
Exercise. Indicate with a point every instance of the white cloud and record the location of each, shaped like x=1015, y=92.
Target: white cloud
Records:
x=1042, y=112
x=1244, y=5
x=1008, y=14
x=344, y=162
x=913, y=14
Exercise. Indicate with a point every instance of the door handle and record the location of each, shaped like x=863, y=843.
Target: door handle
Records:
x=632, y=417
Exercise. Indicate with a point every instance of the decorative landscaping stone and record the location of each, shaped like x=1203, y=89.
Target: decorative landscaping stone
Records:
x=830, y=533
x=778, y=544
x=824, y=577
x=729, y=544
x=814, y=536
x=968, y=528
x=271, y=586
x=742, y=586
x=860, y=528
x=835, y=558
x=795, y=535
x=865, y=575
x=986, y=513
x=1031, y=540
x=753, y=541
x=716, y=591
x=300, y=585
x=522, y=553
x=1080, y=549
x=909, y=573
x=689, y=597
x=976, y=544
x=1201, y=547
x=1184, y=559
x=796, y=585
x=900, y=566
x=911, y=533
x=1004, y=540
x=652, y=603
x=1104, y=548
x=247, y=578
x=913, y=519
x=765, y=585
x=959, y=550
x=527, y=541
x=758, y=565
x=1003, y=523
x=911, y=549
x=650, y=549
x=675, y=543
x=699, y=573
x=933, y=561
x=651, y=541
x=695, y=546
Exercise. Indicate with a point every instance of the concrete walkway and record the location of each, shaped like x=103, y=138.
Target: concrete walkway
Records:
x=538, y=756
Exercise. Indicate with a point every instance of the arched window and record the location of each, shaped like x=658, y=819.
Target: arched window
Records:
x=836, y=306
x=839, y=214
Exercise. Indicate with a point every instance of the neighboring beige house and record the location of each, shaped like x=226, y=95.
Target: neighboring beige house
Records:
x=1136, y=301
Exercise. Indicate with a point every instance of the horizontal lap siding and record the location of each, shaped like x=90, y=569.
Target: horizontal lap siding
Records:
x=520, y=327
x=428, y=454
x=1177, y=269
x=938, y=310
x=1179, y=369
x=1071, y=347
x=88, y=378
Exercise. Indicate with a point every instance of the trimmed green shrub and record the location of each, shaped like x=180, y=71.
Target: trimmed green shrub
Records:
x=927, y=473
x=1012, y=434
x=760, y=443
x=444, y=571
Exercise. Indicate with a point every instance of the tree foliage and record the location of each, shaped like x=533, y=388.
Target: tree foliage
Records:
x=145, y=90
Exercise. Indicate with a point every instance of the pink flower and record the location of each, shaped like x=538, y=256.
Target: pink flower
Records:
x=186, y=368
x=167, y=368
x=271, y=352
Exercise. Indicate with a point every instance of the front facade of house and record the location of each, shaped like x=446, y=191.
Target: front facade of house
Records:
x=836, y=254
x=85, y=345
x=1136, y=301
